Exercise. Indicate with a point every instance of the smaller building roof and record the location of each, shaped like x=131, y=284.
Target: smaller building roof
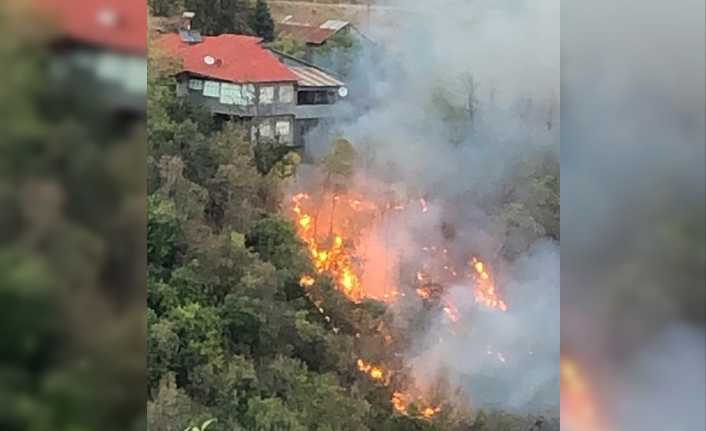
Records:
x=313, y=77
x=334, y=24
x=228, y=57
x=311, y=34
x=112, y=24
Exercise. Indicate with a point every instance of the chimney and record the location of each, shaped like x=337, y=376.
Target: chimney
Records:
x=186, y=19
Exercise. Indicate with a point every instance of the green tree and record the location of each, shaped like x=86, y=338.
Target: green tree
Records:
x=219, y=17
x=275, y=241
x=164, y=235
x=165, y=7
x=172, y=409
x=270, y=414
x=290, y=46
x=261, y=21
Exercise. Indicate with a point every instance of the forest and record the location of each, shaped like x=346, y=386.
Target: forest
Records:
x=237, y=338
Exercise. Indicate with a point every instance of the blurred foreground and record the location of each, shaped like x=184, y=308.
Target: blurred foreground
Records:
x=72, y=217
x=632, y=219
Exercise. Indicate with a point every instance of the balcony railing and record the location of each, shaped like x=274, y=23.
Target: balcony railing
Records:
x=274, y=109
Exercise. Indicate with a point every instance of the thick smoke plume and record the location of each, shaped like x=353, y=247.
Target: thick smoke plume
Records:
x=507, y=360
x=458, y=94
x=633, y=208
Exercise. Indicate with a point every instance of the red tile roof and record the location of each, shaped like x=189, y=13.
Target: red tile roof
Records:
x=238, y=58
x=307, y=33
x=114, y=24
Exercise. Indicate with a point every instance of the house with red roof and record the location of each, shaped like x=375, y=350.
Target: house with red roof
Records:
x=237, y=78
x=105, y=39
x=113, y=25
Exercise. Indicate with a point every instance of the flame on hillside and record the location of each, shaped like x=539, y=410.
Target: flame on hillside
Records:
x=344, y=234
x=341, y=232
x=375, y=372
x=333, y=229
x=402, y=403
x=485, y=292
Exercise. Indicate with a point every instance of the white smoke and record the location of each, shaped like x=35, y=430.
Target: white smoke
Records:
x=666, y=383
x=633, y=213
x=493, y=66
x=503, y=359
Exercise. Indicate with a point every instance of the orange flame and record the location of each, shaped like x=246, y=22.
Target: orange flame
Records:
x=424, y=293
x=452, y=312
x=401, y=402
x=339, y=233
x=306, y=281
x=485, y=292
x=375, y=372
x=335, y=258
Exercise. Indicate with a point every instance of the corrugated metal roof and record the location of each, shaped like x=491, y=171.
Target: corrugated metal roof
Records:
x=312, y=77
x=229, y=57
x=334, y=24
x=311, y=34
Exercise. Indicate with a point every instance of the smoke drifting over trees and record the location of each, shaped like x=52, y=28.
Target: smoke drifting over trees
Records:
x=462, y=105
x=633, y=159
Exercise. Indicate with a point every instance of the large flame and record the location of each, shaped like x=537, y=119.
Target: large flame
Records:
x=485, y=292
x=342, y=234
x=327, y=248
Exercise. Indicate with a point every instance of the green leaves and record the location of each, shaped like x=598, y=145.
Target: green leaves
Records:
x=25, y=290
x=290, y=46
x=164, y=234
x=270, y=414
x=275, y=241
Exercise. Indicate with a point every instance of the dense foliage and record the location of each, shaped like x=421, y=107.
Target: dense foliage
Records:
x=222, y=16
x=261, y=21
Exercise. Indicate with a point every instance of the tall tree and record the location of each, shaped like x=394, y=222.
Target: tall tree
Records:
x=214, y=17
x=165, y=7
x=261, y=21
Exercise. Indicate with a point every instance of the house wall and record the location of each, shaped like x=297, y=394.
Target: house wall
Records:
x=272, y=107
x=246, y=100
x=122, y=77
x=302, y=127
x=280, y=129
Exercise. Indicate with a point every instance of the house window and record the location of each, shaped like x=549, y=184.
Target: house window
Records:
x=135, y=77
x=196, y=84
x=230, y=94
x=286, y=93
x=267, y=95
x=212, y=89
x=248, y=94
x=265, y=129
x=282, y=128
x=317, y=97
